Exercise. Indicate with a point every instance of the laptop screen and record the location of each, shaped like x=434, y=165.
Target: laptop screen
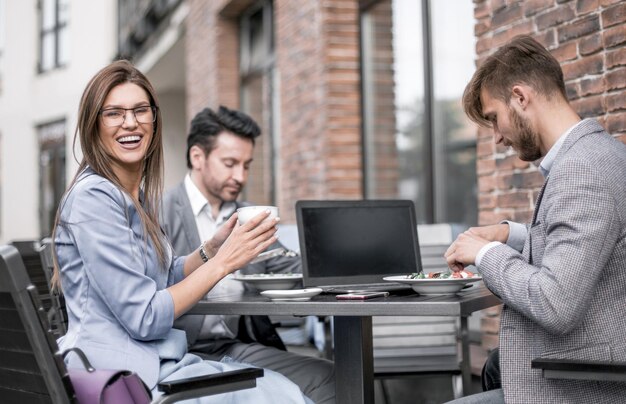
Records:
x=356, y=242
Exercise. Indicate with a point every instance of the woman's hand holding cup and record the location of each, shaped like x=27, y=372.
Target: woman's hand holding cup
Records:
x=248, y=238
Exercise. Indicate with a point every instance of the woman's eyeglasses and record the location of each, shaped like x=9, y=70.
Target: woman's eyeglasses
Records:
x=117, y=116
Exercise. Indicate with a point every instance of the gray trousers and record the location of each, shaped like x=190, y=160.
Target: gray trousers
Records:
x=486, y=397
x=314, y=376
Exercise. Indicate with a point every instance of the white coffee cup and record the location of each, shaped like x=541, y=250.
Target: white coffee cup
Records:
x=248, y=212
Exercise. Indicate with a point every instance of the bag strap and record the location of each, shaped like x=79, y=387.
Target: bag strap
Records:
x=81, y=356
x=105, y=386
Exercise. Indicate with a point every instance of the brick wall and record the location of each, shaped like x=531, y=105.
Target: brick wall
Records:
x=588, y=37
x=318, y=85
x=317, y=55
x=303, y=117
x=211, y=57
x=213, y=79
x=340, y=26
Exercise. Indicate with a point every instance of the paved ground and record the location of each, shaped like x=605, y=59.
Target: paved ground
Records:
x=435, y=389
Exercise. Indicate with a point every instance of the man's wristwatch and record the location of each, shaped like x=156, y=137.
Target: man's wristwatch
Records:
x=203, y=253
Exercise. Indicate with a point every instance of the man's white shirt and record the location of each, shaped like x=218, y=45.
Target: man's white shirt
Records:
x=214, y=327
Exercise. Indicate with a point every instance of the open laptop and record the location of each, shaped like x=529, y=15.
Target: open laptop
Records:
x=350, y=246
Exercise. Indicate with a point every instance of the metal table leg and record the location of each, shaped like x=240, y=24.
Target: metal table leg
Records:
x=466, y=368
x=354, y=364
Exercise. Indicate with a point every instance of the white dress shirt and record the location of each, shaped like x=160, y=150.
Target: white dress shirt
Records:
x=214, y=326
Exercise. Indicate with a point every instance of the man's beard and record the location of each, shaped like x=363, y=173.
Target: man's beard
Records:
x=526, y=140
x=229, y=196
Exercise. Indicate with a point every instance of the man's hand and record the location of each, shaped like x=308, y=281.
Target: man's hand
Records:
x=465, y=248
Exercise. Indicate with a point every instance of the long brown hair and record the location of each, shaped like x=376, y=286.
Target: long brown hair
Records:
x=96, y=157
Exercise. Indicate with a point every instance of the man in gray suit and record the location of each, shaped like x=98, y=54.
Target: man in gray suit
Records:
x=219, y=155
x=562, y=277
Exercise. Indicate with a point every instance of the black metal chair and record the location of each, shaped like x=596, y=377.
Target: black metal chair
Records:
x=32, y=369
x=56, y=312
x=37, y=260
x=581, y=369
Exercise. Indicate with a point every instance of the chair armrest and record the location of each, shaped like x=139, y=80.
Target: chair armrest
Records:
x=580, y=369
x=200, y=386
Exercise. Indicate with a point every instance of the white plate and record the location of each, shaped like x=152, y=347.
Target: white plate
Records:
x=297, y=295
x=270, y=281
x=435, y=286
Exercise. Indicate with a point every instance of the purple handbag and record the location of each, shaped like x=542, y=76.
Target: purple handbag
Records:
x=104, y=386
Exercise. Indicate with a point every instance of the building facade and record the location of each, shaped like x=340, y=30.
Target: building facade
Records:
x=49, y=49
x=353, y=100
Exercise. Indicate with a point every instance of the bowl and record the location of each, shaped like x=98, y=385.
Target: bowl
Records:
x=270, y=281
x=248, y=212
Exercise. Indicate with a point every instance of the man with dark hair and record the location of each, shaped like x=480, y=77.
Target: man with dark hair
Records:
x=562, y=277
x=219, y=154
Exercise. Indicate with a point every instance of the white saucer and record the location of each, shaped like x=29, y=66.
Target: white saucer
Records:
x=293, y=295
x=290, y=299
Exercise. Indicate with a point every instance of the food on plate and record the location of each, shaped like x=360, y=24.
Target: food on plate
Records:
x=443, y=275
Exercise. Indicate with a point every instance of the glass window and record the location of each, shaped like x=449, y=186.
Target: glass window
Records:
x=51, y=172
x=454, y=136
x=392, y=112
x=418, y=144
x=54, y=37
x=257, y=96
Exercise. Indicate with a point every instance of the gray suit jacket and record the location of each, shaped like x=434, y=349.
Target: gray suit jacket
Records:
x=180, y=226
x=564, y=295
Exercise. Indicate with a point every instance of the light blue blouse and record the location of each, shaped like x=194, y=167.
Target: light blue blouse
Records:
x=113, y=283
x=120, y=313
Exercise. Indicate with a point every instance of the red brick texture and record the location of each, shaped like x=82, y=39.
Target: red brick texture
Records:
x=588, y=37
x=211, y=57
x=317, y=53
x=317, y=64
x=212, y=60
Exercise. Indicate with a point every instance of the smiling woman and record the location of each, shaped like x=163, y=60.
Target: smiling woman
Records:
x=126, y=128
x=123, y=287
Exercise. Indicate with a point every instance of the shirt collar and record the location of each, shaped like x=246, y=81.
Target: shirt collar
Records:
x=198, y=201
x=548, y=160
